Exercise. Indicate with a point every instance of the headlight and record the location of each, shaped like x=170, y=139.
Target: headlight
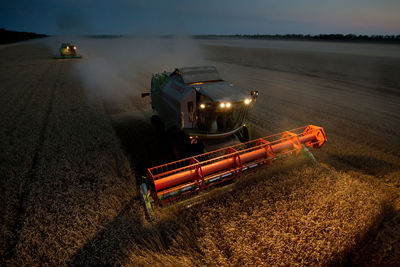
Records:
x=247, y=101
x=222, y=105
x=254, y=93
x=202, y=106
x=228, y=105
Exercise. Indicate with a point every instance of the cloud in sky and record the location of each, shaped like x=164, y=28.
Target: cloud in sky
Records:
x=201, y=17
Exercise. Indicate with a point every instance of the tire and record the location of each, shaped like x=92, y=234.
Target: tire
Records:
x=148, y=210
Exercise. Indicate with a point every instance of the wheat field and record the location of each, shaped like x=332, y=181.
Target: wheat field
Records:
x=69, y=168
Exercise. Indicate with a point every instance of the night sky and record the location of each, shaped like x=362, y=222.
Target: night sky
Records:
x=158, y=17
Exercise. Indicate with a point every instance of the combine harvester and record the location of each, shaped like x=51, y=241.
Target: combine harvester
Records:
x=68, y=50
x=201, y=104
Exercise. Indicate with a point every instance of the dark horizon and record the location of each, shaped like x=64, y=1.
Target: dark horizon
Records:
x=243, y=35
x=178, y=17
x=8, y=36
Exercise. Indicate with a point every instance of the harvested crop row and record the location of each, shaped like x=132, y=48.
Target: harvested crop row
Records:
x=24, y=113
x=81, y=179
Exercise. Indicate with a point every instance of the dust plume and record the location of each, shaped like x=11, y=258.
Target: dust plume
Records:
x=120, y=69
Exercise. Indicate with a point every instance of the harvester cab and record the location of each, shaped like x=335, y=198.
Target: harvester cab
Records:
x=205, y=107
x=68, y=50
x=199, y=102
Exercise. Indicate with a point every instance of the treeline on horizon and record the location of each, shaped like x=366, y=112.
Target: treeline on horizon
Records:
x=7, y=36
x=327, y=37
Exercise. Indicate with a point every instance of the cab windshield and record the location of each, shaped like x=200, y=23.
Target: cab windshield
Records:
x=214, y=119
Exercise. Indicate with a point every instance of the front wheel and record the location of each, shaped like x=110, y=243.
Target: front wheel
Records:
x=146, y=201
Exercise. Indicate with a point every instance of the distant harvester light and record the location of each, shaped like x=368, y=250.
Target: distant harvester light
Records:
x=247, y=101
x=222, y=105
x=202, y=106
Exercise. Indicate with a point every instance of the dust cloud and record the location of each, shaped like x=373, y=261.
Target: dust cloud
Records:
x=120, y=68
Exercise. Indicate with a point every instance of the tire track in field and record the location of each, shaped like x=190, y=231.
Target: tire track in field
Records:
x=24, y=100
x=31, y=177
x=21, y=112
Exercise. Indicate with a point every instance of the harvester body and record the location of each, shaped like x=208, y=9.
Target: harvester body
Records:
x=68, y=50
